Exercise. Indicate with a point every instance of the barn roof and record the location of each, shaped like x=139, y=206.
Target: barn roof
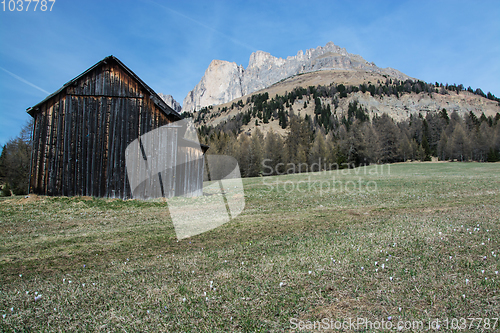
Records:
x=157, y=99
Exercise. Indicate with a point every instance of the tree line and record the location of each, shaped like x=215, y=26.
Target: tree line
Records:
x=358, y=140
x=15, y=162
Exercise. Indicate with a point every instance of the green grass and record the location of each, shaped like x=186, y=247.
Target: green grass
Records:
x=431, y=225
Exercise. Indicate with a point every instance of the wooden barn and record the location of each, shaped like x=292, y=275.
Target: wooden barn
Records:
x=81, y=133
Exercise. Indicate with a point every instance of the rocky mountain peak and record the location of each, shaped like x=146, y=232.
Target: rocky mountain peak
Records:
x=224, y=81
x=261, y=59
x=170, y=101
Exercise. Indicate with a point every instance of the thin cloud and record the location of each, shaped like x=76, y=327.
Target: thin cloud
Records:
x=235, y=41
x=25, y=81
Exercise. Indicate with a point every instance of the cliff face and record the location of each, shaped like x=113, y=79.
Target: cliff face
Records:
x=224, y=81
x=169, y=99
x=220, y=84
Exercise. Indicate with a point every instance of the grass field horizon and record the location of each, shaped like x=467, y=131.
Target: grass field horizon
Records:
x=415, y=242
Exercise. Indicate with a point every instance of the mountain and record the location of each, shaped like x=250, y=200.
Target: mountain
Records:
x=376, y=94
x=329, y=105
x=226, y=91
x=225, y=81
x=169, y=99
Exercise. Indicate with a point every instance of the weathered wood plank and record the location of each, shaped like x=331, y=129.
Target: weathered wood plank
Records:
x=111, y=148
x=92, y=167
x=72, y=158
x=60, y=143
x=67, y=112
x=118, y=141
x=102, y=140
x=36, y=163
x=53, y=112
x=102, y=137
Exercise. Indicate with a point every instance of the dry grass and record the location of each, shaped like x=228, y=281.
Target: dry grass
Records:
x=307, y=254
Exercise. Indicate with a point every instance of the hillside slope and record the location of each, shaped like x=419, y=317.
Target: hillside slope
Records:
x=398, y=107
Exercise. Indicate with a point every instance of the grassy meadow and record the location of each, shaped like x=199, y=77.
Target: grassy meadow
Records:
x=412, y=241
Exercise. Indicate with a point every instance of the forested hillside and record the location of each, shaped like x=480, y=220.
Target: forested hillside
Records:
x=330, y=138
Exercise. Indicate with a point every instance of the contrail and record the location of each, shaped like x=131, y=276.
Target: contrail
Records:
x=205, y=26
x=25, y=81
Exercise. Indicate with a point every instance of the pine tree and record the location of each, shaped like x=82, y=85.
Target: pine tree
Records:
x=426, y=148
x=405, y=147
x=244, y=157
x=388, y=134
x=318, y=153
x=459, y=143
x=256, y=154
x=300, y=134
x=301, y=159
x=273, y=153
x=443, y=153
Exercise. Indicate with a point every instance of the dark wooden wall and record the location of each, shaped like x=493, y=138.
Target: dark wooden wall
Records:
x=80, y=134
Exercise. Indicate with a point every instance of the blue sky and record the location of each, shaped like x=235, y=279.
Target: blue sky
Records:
x=169, y=44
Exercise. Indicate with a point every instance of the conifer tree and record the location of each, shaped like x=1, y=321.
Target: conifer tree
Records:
x=256, y=154
x=318, y=153
x=273, y=148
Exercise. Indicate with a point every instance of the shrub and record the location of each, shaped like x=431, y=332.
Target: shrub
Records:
x=6, y=191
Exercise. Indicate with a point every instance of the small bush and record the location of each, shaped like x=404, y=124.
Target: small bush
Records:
x=493, y=156
x=6, y=191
